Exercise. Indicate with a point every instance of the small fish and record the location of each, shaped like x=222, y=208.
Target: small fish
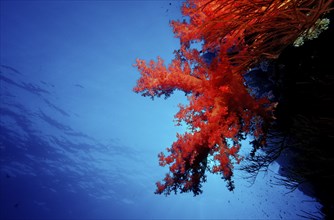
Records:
x=80, y=86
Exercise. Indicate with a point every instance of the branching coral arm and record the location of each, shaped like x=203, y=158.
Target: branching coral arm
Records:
x=156, y=79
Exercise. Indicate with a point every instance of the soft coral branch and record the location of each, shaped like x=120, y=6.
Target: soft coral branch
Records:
x=156, y=79
x=220, y=108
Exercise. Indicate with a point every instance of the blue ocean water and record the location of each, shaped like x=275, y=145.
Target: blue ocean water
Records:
x=77, y=143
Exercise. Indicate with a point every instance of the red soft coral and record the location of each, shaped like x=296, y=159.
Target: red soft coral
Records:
x=221, y=110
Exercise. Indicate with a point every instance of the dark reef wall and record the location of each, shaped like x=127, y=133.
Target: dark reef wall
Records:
x=301, y=137
x=305, y=115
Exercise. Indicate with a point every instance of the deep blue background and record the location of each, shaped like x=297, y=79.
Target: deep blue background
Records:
x=76, y=142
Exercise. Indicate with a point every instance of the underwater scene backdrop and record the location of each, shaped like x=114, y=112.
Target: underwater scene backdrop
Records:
x=77, y=143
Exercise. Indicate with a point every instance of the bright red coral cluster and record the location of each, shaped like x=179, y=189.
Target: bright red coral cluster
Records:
x=221, y=111
x=261, y=27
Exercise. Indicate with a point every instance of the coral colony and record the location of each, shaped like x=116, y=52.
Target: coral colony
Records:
x=238, y=35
